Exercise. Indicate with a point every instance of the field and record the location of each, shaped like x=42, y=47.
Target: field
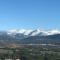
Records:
x=30, y=53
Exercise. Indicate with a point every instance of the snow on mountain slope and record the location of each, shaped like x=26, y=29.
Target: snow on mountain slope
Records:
x=37, y=32
x=52, y=32
x=21, y=31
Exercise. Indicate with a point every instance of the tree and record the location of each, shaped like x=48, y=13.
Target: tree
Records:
x=45, y=57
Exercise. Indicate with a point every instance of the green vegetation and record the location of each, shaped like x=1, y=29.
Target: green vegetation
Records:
x=30, y=53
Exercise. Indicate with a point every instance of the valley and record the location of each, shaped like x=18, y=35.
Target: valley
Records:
x=31, y=52
x=29, y=45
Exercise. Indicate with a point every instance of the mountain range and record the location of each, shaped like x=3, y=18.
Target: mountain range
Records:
x=24, y=36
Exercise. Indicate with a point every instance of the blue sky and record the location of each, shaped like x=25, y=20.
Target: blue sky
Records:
x=29, y=14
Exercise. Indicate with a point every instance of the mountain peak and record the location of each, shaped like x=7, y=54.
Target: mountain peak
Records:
x=30, y=32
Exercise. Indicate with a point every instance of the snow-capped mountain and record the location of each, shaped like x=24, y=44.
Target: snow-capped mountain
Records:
x=24, y=36
x=24, y=33
x=21, y=31
x=33, y=32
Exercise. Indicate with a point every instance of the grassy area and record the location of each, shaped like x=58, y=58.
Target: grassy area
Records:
x=31, y=53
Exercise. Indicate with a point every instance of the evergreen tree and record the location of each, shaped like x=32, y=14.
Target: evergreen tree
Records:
x=45, y=57
x=23, y=58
